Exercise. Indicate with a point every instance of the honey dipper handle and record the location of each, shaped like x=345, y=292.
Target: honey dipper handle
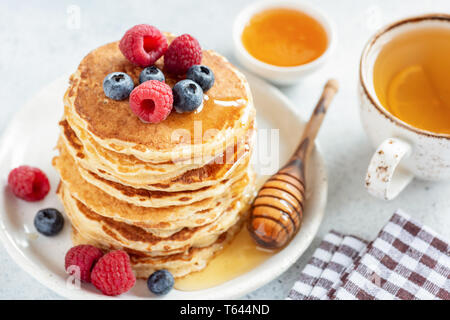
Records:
x=312, y=127
x=277, y=211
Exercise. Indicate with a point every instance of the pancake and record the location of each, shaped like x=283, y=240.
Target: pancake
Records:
x=217, y=170
x=109, y=231
x=147, y=198
x=170, y=217
x=129, y=164
x=111, y=123
x=179, y=265
x=170, y=194
x=123, y=164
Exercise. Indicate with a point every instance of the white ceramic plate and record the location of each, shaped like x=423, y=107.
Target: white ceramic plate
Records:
x=30, y=139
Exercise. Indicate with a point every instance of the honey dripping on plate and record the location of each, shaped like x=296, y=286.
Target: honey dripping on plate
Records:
x=238, y=257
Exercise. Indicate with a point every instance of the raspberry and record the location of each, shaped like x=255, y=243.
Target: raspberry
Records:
x=84, y=257
x=183, y=53
x=152, y=101
x=112, y=274
x=143, y=45
x=28, y=183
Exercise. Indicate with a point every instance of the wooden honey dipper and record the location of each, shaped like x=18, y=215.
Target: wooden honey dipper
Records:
x=277, y=211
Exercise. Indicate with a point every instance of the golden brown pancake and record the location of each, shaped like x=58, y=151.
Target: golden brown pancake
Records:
x=156, y=199
x=170, y=194
x=181, y=264
x=216, y=170
x=170, y=217
x=109, y=231
x=115, y=127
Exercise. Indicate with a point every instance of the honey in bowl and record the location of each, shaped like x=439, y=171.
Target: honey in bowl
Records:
x=284, y=37
x=412, y=78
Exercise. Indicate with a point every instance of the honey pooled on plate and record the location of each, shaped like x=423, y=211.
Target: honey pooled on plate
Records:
x=284, y=37
x=237, y=258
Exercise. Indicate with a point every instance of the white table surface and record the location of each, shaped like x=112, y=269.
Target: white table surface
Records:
x=41, y=40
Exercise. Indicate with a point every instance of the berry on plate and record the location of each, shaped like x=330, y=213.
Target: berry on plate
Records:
x=183, y=53
x=151, y=73
x=118, y=85
x=28, y=183
x=203, y=75
x=112, y=274
x=49, y=221
x=143, y=45
x=152, y=101
x=160, y=282
x=187, y=96
x=83, y=258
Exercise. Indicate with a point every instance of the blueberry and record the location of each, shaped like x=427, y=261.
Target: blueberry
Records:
x=151, y=73
x=118, y=85
x=203, y=75
x=187, y=96
x=49, y=221
x=160, y=282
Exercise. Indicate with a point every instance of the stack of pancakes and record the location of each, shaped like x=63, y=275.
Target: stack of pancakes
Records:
x=170, y=194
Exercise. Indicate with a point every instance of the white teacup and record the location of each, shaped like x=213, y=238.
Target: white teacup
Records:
x=403, y=151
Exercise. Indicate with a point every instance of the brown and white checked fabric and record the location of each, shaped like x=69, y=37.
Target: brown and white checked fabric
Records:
x=335, y=254
x=344, y=256
x=343, y=276
x=405, y=261
x=311, y=273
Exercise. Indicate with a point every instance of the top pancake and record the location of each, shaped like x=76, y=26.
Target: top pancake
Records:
x=112, y=123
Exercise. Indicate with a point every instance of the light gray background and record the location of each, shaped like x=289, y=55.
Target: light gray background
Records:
x=38, y=43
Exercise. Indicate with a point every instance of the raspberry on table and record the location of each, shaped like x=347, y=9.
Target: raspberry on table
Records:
x=112, y=274
x=143, y=45
x=83, y=257
x=152, y=101
x=183, y=53
x=28, y=183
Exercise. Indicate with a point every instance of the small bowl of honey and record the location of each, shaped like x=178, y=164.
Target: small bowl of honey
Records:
x=282, y=41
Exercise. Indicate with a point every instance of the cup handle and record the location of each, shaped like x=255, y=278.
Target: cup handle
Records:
x=385, y=178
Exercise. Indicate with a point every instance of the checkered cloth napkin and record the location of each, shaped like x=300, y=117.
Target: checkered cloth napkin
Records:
x=406, y=261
